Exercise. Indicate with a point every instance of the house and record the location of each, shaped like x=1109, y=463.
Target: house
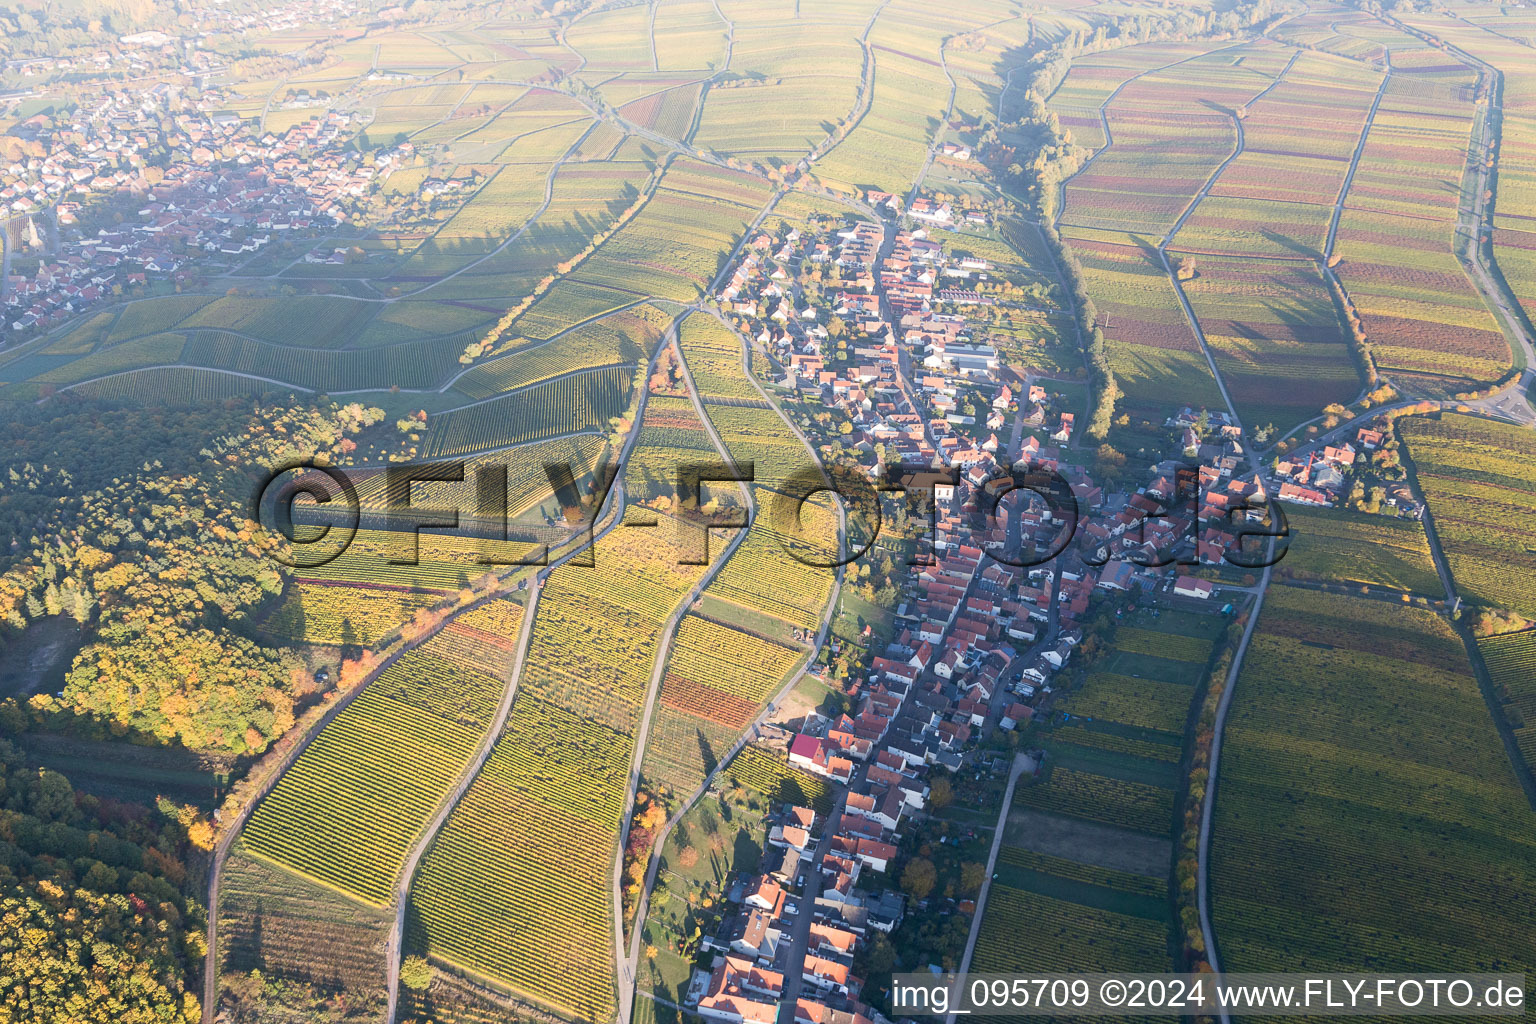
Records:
x=875, y=854
x=817, y=755
x=1188, y=586
x=829, y=975
x=1116, y=575
x=756, y=937
x=1015, y=713
x=1342, y=456
x=1368, y=438
x=1303, y=495
x=741, y=991
x=763, y=893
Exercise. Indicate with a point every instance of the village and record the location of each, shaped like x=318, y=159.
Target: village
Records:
x=992, y=608
x=221, y=194
x=160, y=185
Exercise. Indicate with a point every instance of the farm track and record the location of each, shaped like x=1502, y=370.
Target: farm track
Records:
x=1207, y=810
x=625, y=963
x=504, y=708
x=628, y=959
x=1021, y=763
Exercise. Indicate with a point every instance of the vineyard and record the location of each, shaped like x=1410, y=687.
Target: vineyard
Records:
x=1479, y=479
x=1511, y=661
x=1276, y=337
x=582, y=401
x=625, y=338
x=328, y=611
x=515, y=886
x=1343, y=546
x=1336, y=739
x=1145, y=703
x=1122, y=802
x=597, y=630
x=1419, y=310
x=1062, y=867
x=761, y=771
x=713, y=353
x=290, y=928
x=399, y=745
x=1065, y=937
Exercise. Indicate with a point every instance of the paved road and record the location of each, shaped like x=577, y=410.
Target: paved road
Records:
x=1204, y=858
x=1021, y=763
x=800, y=936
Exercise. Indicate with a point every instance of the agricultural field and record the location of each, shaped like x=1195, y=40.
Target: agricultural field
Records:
x=760, y=436
x=680, y=239
x=789, y=81
x=1155, y=356
x=586, y=198
x=1170, y=130
x=621, y=339
x=1110, y=759
x=670, y=433
x=1424, y=320
x=1066, y=936
x=291, y=929
x=1083, y=91
x=1352, y=720
x=1277, y=338
x=718, y=678
x=1511, y=661
x=766, y=773
x=1479, y=479
x=668, y=113
x=688, y=35
x=713, y=353
x=885, y=149
x=583, y=401
x=401, y=744
x=1277, y=197
x=1330, y=545
x=1502, y=38
x=516, y=885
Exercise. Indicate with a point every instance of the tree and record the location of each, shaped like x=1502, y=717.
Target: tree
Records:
x=415, y=973
x=940, y=793
x=919, y=877
x=972, y=874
